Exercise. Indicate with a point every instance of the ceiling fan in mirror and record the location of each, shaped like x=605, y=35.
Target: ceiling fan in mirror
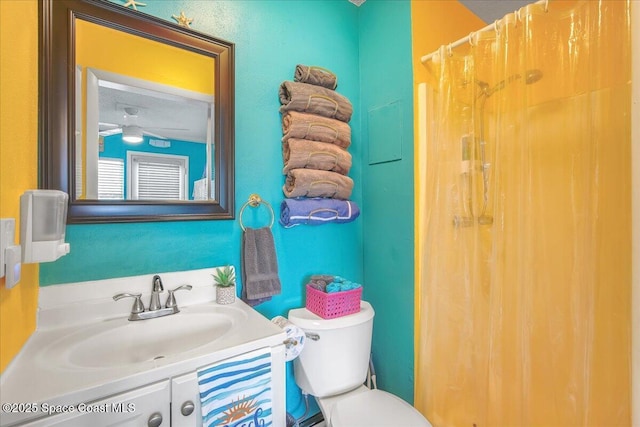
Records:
x=130, y=128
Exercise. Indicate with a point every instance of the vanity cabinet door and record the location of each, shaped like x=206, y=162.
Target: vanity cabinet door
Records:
x=185, y=394
x=147, y=406
x=185, y=401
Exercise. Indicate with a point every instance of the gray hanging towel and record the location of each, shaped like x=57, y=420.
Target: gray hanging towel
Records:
x=260, y=278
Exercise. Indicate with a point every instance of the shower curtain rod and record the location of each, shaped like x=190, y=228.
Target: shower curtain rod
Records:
x=467, y=39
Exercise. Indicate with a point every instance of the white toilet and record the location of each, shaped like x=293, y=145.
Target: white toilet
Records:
x=333, y=367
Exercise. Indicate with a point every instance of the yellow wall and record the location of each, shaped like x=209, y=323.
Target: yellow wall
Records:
x=134, y=56
x=18, y=158
x=438, y=22
x=434, y=23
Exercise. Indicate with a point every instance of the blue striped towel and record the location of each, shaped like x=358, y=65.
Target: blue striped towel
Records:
x=237, y=391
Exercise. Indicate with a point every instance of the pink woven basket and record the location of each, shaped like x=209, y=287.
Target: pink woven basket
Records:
x=332, y=305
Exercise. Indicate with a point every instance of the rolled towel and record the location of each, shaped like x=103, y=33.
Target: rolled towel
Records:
x=340, y=284
x=320, y=281
x=317, y=211
x=306, y=98
x=316, y=76
x=332, y=287
x=319, y=286
x=316, y=183
x=315, y=128
x=302, y=153
x=341, y=287
x=322, y=278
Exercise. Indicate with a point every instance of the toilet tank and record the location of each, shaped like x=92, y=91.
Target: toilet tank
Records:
x=337, y=361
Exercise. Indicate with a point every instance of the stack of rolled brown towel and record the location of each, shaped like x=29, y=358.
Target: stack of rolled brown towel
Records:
x=316, y=136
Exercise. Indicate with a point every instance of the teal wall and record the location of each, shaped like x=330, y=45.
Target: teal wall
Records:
x=373, y=66
x=386, y=109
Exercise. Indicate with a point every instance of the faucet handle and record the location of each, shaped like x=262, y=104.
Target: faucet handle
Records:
x=138, y=307
x=171, y=299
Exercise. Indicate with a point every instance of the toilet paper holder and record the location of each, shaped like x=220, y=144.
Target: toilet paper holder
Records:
x=312, y=336
x=290, y=342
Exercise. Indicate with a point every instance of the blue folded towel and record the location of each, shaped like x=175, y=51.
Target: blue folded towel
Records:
x=340, y=284
x=314, y=211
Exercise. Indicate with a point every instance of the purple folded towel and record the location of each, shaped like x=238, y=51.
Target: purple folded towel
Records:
x=316, y=211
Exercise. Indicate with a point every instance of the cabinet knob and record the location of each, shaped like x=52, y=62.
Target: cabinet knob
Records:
x=187, y=408
x=155, y=420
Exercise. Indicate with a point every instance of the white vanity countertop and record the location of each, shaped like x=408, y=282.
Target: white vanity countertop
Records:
x=43, y=373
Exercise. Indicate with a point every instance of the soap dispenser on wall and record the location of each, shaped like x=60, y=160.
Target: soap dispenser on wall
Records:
x=43, y=217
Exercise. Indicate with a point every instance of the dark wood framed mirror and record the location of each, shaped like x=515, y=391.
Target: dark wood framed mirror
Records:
x=95, y=98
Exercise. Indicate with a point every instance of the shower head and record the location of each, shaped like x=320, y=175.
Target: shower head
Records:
x=484, y=86
x=532, y=76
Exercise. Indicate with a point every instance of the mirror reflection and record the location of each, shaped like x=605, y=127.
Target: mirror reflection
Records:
x=145, y=132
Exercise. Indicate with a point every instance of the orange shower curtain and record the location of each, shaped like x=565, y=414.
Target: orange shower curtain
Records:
x=524, y=285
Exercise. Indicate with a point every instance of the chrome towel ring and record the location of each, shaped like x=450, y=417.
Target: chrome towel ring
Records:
x=254, y=201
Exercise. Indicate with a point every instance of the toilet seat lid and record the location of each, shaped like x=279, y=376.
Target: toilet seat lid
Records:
x=376, y=408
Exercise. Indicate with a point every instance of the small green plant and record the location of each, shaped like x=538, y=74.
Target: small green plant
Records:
x=224, y=276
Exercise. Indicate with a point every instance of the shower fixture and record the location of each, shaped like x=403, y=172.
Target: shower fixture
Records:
x=462, y=221
x=531, y=76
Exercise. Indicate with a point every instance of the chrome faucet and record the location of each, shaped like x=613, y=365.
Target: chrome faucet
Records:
x=154, y=304
x=155, y=308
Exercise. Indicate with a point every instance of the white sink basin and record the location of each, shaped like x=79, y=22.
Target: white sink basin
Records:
x=120, y=342
x=85, y=349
